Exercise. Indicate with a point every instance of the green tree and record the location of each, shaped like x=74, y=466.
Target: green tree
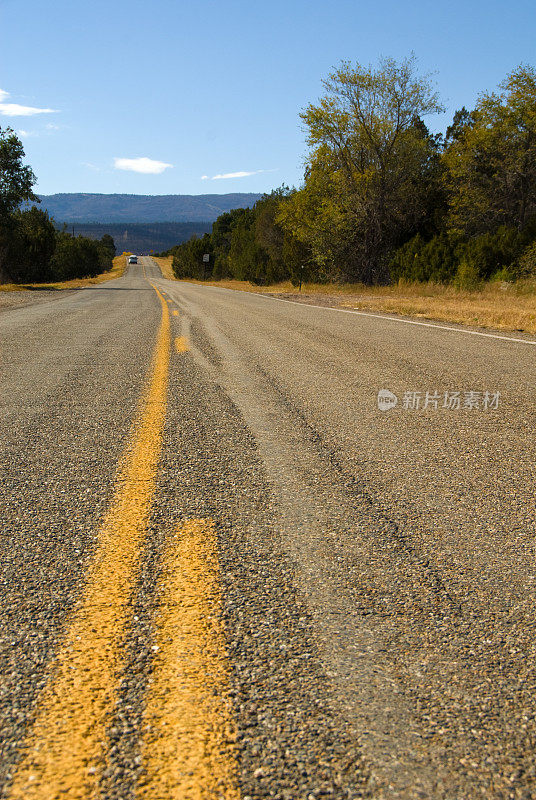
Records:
x=74, y=257
x=417, y=260
x=526, y=264
x=16, y=182
x=248, y=260
x=31, y=246
x=494, y=252
x=368, y=172
x=492, y=159
x=188, y=258
x=221, y=241
x=106, y=250
x=285, y=255
x=461, y=122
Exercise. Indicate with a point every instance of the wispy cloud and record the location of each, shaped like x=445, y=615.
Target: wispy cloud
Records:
x=16, y=110
x=148, y=166
x=91, y=166
x=241, y=174
x=47, y=130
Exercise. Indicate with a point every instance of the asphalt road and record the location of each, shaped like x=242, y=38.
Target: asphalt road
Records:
x=226, y=573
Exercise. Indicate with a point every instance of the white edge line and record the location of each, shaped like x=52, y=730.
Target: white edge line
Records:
x=377, y=316
x=398, y=319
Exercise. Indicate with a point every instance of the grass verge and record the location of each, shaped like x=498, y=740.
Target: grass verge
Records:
x=498, y=305
x=165, y=263
x=119, y=266
x=502, y=306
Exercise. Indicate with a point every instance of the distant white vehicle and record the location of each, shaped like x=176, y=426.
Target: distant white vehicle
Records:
x=133, y=259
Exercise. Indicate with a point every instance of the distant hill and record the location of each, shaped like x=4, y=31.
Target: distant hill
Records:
x=111, y=208
x=141, y=237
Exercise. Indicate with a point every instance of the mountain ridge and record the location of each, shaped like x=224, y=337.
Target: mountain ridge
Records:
x=86, y=207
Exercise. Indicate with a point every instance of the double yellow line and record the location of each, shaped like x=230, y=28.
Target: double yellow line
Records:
x=188, y=752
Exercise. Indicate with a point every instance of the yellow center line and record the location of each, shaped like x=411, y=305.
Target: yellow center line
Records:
x=189, y=746
x=64, y=752
x=181, y=344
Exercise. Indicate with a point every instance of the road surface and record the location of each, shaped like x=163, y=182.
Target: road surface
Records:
x=226, y=573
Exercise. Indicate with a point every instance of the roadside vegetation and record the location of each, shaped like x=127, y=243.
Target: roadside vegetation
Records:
x=496, y=304
x=32, y=250
x=119, y=264
x=439, y=222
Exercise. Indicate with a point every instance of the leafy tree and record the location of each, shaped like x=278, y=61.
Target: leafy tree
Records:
x=314, y=216
x=417, y=260
x=526, y=264
x=369, y=163
x=16, y=182
x=221, y=242
x=462, y=121
x=491, y=159
x=285, y=255
x=492, y=252
x=247, y=258
x=188, y=259
x=31, y=246
x=16, y=179
x=246, y=244
x=74, y=257
x=298, y=260
x=106, y=251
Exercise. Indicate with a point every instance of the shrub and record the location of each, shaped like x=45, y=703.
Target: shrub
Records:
x=425, y=261
x=106, y=250
x=32, y=243
x=74, y=258
x=526, y=264
x=492, y=252
x=467, y=277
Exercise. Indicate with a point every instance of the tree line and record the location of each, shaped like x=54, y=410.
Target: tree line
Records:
x=383, y=198
x=32, y=249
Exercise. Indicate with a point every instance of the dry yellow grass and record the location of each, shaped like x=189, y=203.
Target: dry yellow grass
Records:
x=119, y=265
x=500, y=306
x=165, y=264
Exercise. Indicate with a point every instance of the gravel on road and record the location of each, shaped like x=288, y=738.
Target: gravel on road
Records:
x=376, y=568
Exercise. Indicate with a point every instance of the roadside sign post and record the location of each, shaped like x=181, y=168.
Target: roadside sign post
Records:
x=206, y=260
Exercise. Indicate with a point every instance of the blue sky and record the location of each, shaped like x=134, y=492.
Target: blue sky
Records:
x=213, y=89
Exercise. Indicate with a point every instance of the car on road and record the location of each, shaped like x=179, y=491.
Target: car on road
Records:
x=133, y=259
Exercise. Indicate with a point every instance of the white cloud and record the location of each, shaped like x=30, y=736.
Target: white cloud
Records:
x=26, y=134
x=147, y=166
x=235, y=175
x=14, y=110
x=241, y=174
